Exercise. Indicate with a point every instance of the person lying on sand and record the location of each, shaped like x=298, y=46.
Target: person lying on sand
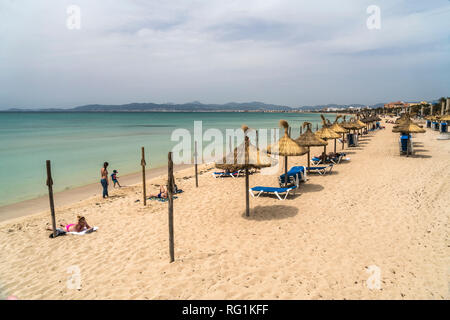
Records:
x=75, y=227
x=162, y=193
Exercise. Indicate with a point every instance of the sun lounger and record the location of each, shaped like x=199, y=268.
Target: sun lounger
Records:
x=316, y=160
x=227, y=174
x=295, y=174
x=276, y=191
x=320, y=170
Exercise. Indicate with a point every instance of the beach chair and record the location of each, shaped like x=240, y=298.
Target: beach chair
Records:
x=444, y=127
x=295, y=175
x=320, y=170
x=336, y=160
x=405, y=144
x=351, y=140
x=316, y=160
x=226, y=174
x=276, y=191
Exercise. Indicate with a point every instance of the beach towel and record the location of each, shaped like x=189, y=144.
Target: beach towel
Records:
x=93, y=229
x=161, y=199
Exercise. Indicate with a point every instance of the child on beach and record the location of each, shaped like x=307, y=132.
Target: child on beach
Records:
x=114, y=178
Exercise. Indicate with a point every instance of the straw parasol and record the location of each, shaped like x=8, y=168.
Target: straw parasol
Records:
x=286, y=147
x=309, y=139
x=336, y=127
x=245, y=156
x=408, y=127
x=326, y=134
x=445, y=117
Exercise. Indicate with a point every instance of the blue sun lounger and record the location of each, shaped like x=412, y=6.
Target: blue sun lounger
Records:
x=320, y=170
x=276, y=191
x=316, y=160
x=295, y=174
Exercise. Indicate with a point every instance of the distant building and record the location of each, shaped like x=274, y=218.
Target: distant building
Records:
x=397, y=104
x=403, y=105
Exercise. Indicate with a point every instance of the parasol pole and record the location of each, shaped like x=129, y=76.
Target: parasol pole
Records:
x=308, y=157
x=247, y=200
x=285, y=171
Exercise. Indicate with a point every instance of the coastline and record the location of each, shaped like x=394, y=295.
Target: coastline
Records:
x=77, y=194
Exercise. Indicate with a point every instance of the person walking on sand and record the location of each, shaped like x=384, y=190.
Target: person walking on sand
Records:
x=104, y=179
x=114, y=178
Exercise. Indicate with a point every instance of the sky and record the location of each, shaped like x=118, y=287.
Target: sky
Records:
x=286, y=52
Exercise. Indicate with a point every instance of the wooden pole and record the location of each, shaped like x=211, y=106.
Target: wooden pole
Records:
x=317, y=127
x=301, y=130
x=309, y=156
x=289, y=132
x=257, y=139
x=50, y=196
x=285, y=171
x=170, y=195
x=334, y=145
x=247, y=199
x=343, y=139
x=143, y=164
x=196, y=165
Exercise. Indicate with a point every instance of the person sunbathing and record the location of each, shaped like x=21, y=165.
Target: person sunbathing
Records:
x=163, y=193
x=75, y=227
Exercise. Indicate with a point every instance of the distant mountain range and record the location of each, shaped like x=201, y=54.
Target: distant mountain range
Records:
x=194, y=106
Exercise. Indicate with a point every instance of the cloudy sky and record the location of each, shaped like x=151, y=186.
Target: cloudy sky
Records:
x=288, y=52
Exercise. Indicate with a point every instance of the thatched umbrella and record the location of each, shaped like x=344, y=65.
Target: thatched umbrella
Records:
x=309, y=139
x=408, y=127
x=286, y=147
x=326, y=134
x=245, y=156
x=336, y=127
x=445, y=117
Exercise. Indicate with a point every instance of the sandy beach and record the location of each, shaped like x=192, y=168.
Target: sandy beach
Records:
x=379, y=210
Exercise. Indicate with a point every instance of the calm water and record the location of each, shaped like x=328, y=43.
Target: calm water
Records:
x=79, y=143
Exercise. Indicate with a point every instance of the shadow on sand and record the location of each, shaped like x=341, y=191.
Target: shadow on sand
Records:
x=311, y=187
x=276, y=212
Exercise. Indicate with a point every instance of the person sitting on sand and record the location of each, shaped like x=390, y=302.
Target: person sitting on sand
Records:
x=163, y=193
x=114, y=178
x=75, y=227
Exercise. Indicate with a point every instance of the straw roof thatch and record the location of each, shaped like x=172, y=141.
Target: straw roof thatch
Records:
x=336, y=127
x=286, y=146
x=326, y=133
x=408, y=127
x=350, y=125
x=445, y=117
x=236, y=160
x=309, y=139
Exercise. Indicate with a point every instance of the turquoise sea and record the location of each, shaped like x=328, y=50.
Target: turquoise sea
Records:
x=78, y=143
